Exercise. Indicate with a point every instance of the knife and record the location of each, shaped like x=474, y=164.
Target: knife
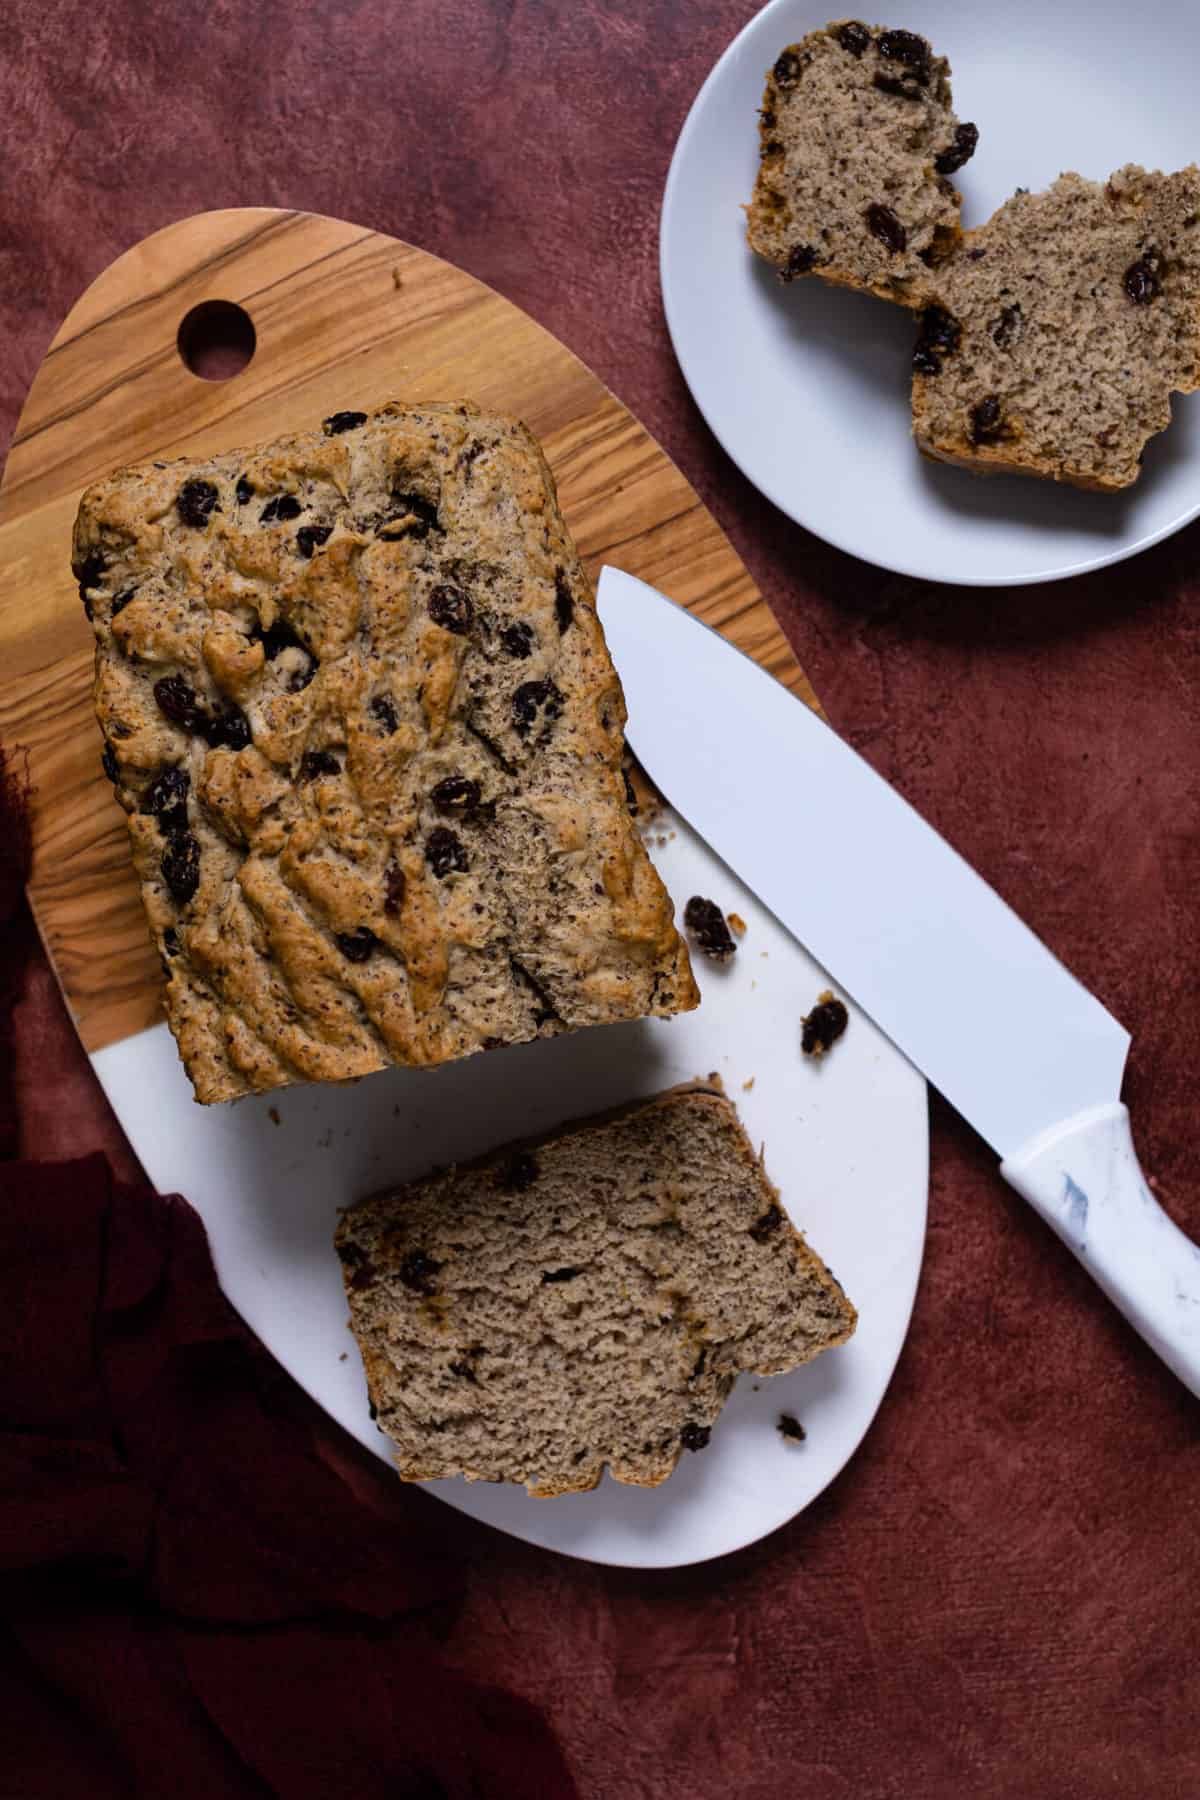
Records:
x=946, y=970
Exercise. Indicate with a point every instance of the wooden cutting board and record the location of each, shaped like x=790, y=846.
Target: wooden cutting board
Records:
x=344, y=318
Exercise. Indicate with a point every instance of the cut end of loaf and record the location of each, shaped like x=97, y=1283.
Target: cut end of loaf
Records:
x=584, y=1301
x=1058, y=334
x=857, y=140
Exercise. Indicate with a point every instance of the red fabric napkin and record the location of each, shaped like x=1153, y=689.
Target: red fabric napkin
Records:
x=192, y=1602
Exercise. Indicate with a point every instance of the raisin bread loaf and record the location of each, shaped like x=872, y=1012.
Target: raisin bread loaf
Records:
x=858, y=139
x=1060, y=331
x=582, y=1301
x=357, y=705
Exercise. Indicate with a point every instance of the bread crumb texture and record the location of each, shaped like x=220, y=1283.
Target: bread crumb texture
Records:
x=582, y=1302
x=1061, y=330
x=857, y=139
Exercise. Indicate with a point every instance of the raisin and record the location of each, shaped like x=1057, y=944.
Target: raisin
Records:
x=518, y=1173
x=90, y=573
x=801, y=258
x=853, y=36
x=790, y=1427
x=243, y=493
x=450, y=608
x=767, y=117
x=788, y=69
x=229, y=727
x=356, y=945
x=418, y=1270
x=195, y=501
x=309, y=537
x=177, y=702
x=181, y=866
x=108, y=762
x=549, y=1275
x=1008, y=327
x=986, y=420
x=277, y=637
x=166, y=799
x=301, y=678
x=421, y=510
x=883, y=224
x=279, y=510
x=468, y=455
x=531, y=698
x=695, y=1437
x=383, y=708
x=706, y=922
x=631, y=799
x=318, y=762
x=394, y=884
x=906, y=47
x=342, y=421
x=940, y=329
x=120, y=601
x=1141, y=282
x=966, y=140
x=456, y=794
x=823, y=1026
x=767, y=1225
x=924, y=361
x=564, y=602
x=906, y=87
x=171, y=941
x=772, y=147
x=444, y=852
x=518, y=640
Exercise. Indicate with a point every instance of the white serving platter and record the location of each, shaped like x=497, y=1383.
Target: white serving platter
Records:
x=846, y=1141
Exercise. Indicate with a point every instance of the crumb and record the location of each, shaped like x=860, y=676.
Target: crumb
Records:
x=824, y=1025
x=325, y=1141
x=343, y=1356
x=397, y=279
x=756, y=1385
x=790, y=1427
x=660, y=840
x=763, y=954
x=273, y=1115
x=737, y=923
x=747, y=1085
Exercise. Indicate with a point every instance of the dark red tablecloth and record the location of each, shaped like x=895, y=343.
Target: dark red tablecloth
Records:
x=998, y=1596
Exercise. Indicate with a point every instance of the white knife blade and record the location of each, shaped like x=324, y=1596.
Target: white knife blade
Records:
x=947, y=970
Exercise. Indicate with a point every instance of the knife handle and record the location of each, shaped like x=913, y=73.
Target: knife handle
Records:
x=1083, y=1177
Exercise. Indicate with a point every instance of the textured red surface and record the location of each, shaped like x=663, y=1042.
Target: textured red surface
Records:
x=997, y=1597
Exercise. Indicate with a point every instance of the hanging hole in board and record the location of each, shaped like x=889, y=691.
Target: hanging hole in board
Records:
x=216, y=340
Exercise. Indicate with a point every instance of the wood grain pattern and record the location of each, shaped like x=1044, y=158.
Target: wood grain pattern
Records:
x=344, y=318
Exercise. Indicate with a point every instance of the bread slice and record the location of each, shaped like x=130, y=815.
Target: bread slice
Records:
x=857, y=140
x=584, y=1300
x=358, y=708
x=1062, y=328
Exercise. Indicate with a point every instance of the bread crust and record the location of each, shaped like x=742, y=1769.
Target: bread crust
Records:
x=367, y=734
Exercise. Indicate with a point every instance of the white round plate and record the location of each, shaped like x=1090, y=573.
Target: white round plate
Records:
x=806, y=386
x=846, y=1142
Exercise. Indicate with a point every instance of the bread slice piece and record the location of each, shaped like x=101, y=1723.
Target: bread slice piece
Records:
x=1062, y=328
x=857, y=140
x=584, y=1300
x=358, y=708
